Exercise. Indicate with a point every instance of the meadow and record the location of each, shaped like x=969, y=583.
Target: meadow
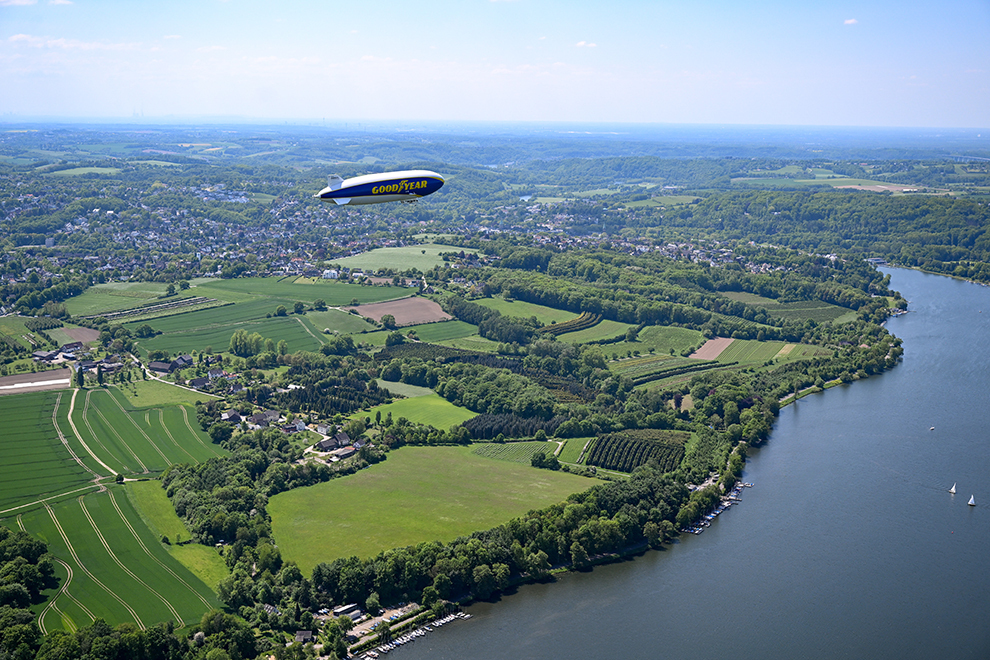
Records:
x=419, y=494
x=431, y=409
x=545, y=315
x=445, y=330
x=603, y=330
x=659, y=340
x=419, y=257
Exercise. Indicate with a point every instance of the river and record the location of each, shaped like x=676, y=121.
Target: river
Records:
x=848, y=546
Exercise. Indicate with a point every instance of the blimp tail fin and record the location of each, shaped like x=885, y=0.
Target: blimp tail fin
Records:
x=334, y=181
x=341, y=201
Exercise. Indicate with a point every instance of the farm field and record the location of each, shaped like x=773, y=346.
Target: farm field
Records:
x=572, y=449
x=659, y=339
x=435, y=332
x=514, y=452
x=604, y=330
x=13, y=328
x=149, y=393
x=196, y=331
x=115, y=296
x=471, y=343
x=404, y=389
x=545, y=315
x=336, y=321
x=157, y=512
x=421, y=257
x=407, y=311
x=419, y=494
x=748, y=350
x=118, y=569
x=34, y=462
x=431, y=409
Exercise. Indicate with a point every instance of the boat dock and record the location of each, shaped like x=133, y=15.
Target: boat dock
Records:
x=734, y=496
x=412, y=636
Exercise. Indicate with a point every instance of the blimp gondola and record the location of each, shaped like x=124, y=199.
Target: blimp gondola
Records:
x=406, y=186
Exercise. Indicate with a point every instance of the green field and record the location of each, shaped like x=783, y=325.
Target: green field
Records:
x=13, y=327
x=157, y=512
x=660, y=339
x=419, y=494
x=603, y=330
x=76, y=171
x=148, y=393
x=119, y=570
x=545, y=315
x=102, y=298
x=34, y=462
x=403, y=389
x=431, y=409
x=336, y=321
x=421, y=257
x=515, y=452
x=471, y=343
x=443, y=331
x=572, y=449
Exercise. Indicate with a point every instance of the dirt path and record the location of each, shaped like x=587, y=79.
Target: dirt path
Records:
x=72, y=406
x=65, y=442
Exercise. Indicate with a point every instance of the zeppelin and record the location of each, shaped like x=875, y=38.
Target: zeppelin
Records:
x=407, y=186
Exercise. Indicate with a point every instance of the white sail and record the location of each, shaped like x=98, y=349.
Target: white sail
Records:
x=972, y=500
x=953, y=489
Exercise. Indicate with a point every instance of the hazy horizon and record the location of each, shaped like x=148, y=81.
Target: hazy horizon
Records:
x=769, y=63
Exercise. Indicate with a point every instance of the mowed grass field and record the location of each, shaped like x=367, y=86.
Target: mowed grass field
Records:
x=545, y=315
x=419, y=494
x=157, y=512
x=816, y=310
x=422, y=257
x=659, y=339
x=113, y=566
x=431, y=409
x=606, y=329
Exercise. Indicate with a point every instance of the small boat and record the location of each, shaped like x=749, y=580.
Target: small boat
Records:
x=953, y=489
x=972, y=500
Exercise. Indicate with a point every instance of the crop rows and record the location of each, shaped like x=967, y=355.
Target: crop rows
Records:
x=680, y=369
x=516, y=452
x=112, y=566
x=625, y=452
x=582, y=322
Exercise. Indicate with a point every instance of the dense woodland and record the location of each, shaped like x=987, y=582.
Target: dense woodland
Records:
x=599, y=255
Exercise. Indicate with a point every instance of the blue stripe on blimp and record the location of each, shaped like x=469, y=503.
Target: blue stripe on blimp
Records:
x=414, y=187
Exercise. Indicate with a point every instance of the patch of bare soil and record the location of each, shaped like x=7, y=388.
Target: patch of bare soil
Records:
x=712, y=348
x=407, y=311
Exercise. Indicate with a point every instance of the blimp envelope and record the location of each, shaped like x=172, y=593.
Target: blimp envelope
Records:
x=405, y=186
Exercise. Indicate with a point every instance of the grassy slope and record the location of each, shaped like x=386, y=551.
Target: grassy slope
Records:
x=419, y=494
x=431, y=409
x=156, y=511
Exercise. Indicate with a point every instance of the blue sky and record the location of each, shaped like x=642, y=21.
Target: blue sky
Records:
x=879, y=63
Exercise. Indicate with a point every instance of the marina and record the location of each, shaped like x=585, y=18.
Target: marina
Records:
x=734, y=496
x=412, y=636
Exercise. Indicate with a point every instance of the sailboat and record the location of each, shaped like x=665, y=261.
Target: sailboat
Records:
x=953, y=489
x=972, y=500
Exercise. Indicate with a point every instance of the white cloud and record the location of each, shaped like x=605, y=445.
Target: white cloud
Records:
x=11, y=3
x=585, y=44
x=850, y=21
x=69, y=44
x=60, y=2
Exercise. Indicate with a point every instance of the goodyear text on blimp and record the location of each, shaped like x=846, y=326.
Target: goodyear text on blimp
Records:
x=401, y=187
